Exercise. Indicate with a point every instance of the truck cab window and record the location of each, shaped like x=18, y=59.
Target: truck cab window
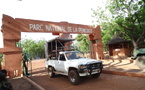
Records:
x=62, y=57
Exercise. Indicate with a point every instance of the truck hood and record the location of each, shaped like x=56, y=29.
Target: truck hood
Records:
x=83, y=61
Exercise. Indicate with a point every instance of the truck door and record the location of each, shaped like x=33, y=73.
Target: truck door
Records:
x=61, y=61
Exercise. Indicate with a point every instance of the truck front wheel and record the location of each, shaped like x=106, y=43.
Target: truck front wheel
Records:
x=74, y=77
x=51, y=72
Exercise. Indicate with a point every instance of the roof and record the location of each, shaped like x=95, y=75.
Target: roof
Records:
x=68, y=52
x=116, y=40
x=62, y=40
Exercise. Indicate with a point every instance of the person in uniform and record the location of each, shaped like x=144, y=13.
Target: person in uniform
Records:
x=25, y=59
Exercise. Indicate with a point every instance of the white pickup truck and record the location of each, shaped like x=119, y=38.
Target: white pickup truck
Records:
x=73, y=65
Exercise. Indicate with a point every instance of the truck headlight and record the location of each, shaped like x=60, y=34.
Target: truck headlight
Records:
x=82, y=66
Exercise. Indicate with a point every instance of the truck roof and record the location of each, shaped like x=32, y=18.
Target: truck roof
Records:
x=67, y=52
x=62, y=40
x=56, y=45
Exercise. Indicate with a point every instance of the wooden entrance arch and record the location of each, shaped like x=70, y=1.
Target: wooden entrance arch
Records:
x=12, y=28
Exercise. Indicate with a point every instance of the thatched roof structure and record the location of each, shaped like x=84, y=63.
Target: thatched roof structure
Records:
x=116, y=40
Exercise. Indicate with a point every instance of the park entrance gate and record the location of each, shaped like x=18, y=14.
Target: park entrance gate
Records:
x=12, y=28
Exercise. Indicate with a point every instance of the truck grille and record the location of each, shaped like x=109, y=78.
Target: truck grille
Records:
x=94, y=65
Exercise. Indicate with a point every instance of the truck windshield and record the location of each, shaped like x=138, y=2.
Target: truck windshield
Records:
x=74, y=55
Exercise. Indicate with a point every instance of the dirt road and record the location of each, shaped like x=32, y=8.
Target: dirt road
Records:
x=104, y=82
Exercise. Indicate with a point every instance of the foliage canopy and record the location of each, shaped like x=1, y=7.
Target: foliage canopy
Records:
x=35, y=49
x=82, y=43
x=123, y=17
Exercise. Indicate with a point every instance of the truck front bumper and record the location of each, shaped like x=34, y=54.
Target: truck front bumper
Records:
x=87, y=72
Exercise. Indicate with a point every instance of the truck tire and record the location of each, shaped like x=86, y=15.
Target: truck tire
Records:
x=74, y=77
x=140, y=62
x=51, y=72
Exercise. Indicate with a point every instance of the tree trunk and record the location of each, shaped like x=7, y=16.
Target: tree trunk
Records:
x=135, y=45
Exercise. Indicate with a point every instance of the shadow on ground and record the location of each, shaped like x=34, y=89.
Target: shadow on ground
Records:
x=21, y=84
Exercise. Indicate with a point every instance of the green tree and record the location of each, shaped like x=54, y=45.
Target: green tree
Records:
x=108, y=26
x=82, y=43
x=33, y=48
x=1, y=55
x=129, y=15
x=126, y=17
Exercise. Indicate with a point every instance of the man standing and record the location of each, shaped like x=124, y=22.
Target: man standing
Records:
x=25, y=59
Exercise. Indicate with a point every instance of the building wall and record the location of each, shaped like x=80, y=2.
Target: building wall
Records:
x=121, y=52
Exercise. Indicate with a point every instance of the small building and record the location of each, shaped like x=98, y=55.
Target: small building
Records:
x=118, y=47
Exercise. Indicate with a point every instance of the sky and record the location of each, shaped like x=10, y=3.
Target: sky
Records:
x=72, y=11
